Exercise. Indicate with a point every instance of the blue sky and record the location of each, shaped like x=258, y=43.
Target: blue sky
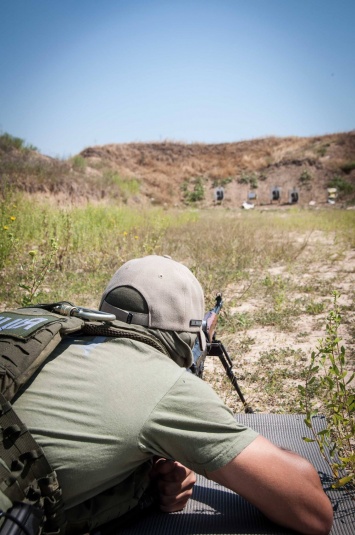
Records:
x=77, y=73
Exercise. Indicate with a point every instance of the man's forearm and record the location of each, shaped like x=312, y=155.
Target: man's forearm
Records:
x=284, y=486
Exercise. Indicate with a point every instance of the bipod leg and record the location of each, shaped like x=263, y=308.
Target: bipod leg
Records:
x=217, y=349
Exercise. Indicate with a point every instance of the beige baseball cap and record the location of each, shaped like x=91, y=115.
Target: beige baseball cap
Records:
x=171, y=295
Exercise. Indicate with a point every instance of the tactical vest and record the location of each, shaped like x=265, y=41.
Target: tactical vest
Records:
x=27, y=337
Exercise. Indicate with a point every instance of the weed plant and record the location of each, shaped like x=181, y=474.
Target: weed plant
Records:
x=329, y=390
x=8, y=225
x=34, y=273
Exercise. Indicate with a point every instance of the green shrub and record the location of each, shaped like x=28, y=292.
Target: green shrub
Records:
x=222, y=182
x=249, y=178
x=193, y=191
x=305, y=178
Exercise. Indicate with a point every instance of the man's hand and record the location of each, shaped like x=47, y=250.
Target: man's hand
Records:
x=174, y=483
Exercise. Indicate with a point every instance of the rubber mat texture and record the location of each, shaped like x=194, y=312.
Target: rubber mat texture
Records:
x=214, y=510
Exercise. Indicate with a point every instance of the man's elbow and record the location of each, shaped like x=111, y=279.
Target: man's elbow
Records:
x=326, y=523
x=320, y=522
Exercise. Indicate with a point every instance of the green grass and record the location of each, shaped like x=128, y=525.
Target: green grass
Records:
x=93, y=241
x=220, y=248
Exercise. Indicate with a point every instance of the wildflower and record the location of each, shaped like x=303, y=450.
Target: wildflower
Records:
x=32, y=253
x=136, y=237
x=125, y=233
x=13, y=218
x=5, y=227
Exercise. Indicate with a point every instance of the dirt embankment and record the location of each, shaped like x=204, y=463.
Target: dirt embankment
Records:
x=172, y=173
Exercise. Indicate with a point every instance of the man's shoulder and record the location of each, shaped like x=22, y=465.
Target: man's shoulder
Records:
x=131, y=357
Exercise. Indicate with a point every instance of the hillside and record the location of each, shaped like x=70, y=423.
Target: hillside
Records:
x=177, y=174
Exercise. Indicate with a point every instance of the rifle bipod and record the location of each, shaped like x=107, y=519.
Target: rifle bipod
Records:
x=217, y=349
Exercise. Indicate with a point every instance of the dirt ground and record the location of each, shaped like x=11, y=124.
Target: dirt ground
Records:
x=268, y=360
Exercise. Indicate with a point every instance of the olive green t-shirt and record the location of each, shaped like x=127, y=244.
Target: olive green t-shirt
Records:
x=102, y=407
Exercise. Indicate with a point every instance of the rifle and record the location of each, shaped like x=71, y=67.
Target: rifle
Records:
x=215, y=348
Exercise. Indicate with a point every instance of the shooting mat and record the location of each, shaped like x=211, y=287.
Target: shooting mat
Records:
x=214, y=510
